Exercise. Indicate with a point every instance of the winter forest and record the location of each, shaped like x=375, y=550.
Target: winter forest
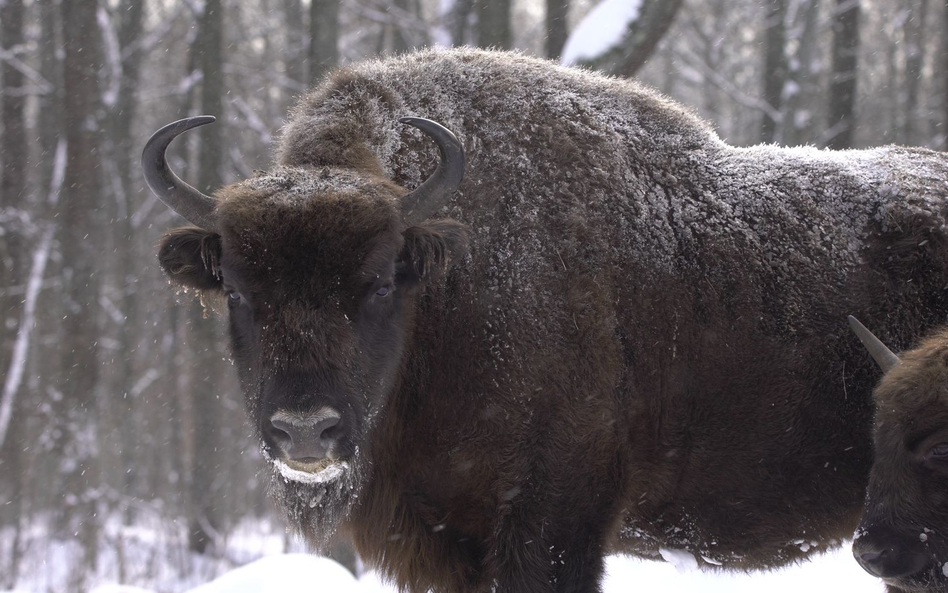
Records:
x=125, y=454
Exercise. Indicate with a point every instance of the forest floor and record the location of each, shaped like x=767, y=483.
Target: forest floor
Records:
x=259, y=556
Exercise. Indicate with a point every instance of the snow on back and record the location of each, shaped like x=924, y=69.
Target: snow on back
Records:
x=600, y=30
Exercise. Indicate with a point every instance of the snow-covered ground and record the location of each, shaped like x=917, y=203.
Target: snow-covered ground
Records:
x=259, y=558
x=301, y=573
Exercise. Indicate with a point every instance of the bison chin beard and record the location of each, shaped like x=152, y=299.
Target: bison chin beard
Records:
x=315, y=509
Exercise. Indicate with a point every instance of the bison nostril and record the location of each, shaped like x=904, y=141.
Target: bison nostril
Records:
x=872, y=561
x=305, y=437
x=280, y=436
x=891, y=560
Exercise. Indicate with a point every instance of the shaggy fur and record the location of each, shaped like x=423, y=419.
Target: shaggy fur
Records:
x=637, y=341
x=907, y=504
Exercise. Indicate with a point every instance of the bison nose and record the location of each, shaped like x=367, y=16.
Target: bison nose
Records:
x=305, y=438
x=888, y=560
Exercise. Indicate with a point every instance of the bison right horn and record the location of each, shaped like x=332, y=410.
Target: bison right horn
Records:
x=879, y=352
x=434, y=192
x=194, y=206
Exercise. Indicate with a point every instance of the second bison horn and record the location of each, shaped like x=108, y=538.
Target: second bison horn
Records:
x=194, y=206
x=431, y=195
x=879, y=352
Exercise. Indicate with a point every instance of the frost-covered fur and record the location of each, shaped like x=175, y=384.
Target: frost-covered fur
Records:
x=644, y=346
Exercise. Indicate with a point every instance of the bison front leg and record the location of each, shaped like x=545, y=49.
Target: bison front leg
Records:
x=531, y=555
x=519, y=558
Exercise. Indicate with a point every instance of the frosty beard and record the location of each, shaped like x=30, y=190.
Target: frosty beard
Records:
x=316, y=506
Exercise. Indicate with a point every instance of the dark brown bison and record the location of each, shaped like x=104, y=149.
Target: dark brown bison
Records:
x=616, y=334
x=903, y=535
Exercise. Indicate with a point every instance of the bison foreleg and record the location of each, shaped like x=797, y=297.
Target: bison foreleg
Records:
x=526, y=556
x=520, y=559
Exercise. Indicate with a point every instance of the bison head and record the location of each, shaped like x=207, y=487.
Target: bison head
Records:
x=320, y=269
x=903, y=535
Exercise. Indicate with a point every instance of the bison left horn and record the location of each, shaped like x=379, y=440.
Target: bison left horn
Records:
x=194, y=206
x=431, y=195
x=879, y=352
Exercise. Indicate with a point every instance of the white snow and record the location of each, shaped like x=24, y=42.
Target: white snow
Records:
x=682, y=560
x=287, y=573
x=600, y=30
x=834, y=571
x=296, y=572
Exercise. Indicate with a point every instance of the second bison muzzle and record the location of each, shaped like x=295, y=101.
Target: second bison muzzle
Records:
x=616, y=334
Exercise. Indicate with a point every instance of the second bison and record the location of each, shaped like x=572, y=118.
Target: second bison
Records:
x=903, y=535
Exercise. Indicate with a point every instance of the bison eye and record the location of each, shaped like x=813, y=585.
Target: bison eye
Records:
x=382, y=291
x=233, y=298
x=939, y=452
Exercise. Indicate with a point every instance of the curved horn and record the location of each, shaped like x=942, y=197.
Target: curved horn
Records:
x=194, y=206
x=882, y=355
x=432, y=194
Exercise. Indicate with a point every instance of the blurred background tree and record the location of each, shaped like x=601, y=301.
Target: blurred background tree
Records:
x=121, y=423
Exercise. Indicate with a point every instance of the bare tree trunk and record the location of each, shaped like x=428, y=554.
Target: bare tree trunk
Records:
x=458, y=20
x=13, y=157
x=130, y=13
x=323, y=38
x=45, y=365
x=203, y=519
x=802, y=80
x=944, y=70
x=636, y=46
x=843, y=83
x=493, y=24
x=402, y=40
x=13, y=183
x=296, y=41
x=13, y=215
x=557, y=27
x=81, y=201
x=914, y=59
x=775, y=67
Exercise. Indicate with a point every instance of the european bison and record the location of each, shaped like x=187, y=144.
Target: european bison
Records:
x=616, y=334
x=903, y=535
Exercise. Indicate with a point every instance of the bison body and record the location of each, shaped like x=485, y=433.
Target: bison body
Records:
x=618, y=335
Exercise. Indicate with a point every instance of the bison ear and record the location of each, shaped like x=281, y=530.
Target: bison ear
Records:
x=432, y=248
x=190, y=256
